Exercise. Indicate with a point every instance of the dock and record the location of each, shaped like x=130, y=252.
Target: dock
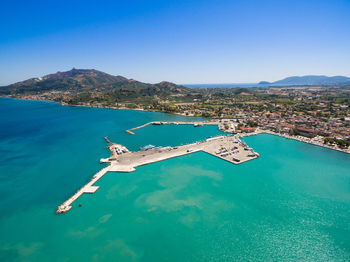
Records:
x=129, y=131
x=194, y=123
x=88, y=188
x=226, y=147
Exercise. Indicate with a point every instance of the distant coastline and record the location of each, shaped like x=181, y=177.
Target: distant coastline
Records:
x=233, y=85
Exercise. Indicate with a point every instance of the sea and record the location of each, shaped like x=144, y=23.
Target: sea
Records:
x=290, y=204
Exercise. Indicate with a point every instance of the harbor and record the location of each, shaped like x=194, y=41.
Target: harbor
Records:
x=224, y=125
x=228, y=147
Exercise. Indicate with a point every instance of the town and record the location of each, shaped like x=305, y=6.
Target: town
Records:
x=320, y=113
x=311, y=112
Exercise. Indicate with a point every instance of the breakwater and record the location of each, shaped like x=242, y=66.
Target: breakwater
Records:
x=228, y=148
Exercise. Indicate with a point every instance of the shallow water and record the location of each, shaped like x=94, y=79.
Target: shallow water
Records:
x=292, y=203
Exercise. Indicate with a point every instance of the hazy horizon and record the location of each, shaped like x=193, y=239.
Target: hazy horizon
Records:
x=198, y=83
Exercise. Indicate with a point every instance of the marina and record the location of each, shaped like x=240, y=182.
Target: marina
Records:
x=228, y=148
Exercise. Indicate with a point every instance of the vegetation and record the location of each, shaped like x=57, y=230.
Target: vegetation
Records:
x=341, y=143
x=91, y=86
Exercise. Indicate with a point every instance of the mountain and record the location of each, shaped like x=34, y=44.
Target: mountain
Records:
x=92, y=84
x=264, y=83
x=311, y=80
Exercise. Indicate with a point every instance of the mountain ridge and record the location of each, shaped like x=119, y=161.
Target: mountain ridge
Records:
x=88, y=80
x=310, y=80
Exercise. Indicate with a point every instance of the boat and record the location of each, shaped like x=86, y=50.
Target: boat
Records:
x=197, y=124
x=147, y=147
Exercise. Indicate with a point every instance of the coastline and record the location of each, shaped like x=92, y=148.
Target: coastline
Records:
x=306, y=140
x=258, y=131
x=105, y=107
x=204, y=181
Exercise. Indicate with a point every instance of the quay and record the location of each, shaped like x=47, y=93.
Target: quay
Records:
x=132, y=133
x=88, y=188
x=228, y=147
x=219, y=123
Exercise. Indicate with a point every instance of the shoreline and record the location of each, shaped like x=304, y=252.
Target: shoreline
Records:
x=259, y=131
x=311, y=141
x=306, y=140
x=104, y=107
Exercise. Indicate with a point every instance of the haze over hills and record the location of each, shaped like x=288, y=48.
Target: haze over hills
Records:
x=311, y=80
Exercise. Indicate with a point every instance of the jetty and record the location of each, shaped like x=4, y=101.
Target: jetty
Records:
x=88, y=188
x=226, y=147
x=132, y=133
x=218, y=123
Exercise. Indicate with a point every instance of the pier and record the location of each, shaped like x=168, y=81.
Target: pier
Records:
x=228, y=148
x=129, y=131
x=194, y=123
x=88, y=188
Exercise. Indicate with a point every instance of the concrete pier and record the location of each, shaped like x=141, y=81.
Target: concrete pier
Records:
x=228, y=148
x=199, y=123
x=88, y=188
x=129, y=131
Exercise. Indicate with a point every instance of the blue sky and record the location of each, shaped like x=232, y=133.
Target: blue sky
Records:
x=180, y=41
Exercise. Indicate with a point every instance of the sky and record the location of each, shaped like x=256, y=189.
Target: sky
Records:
x=185, y=42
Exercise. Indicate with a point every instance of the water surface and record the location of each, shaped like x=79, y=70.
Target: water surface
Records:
x=292, y=203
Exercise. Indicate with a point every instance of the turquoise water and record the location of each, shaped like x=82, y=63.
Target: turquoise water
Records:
x=290, y=204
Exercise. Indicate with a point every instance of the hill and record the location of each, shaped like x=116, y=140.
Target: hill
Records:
x=89, y=85
x=311, y=80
